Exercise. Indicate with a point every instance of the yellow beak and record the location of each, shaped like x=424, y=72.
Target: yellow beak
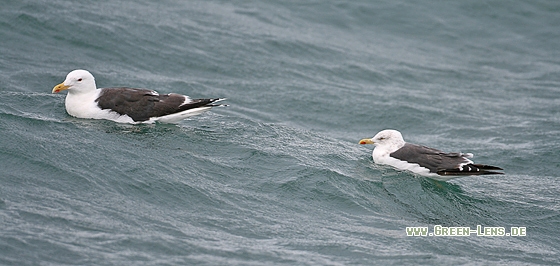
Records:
x=366, y=141
x=60, y=87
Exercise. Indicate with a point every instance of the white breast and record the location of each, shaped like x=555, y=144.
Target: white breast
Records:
x=83, y=105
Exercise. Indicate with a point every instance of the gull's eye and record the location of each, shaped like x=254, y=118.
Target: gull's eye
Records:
x=80, y=79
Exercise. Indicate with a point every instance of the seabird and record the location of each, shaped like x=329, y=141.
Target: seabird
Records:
x=391, y=149
x=127, y=105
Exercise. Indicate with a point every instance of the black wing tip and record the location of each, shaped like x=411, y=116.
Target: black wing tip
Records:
x=212, y=102
x=472, y=169
x=487, y=167
x=459, y=173
x=204, y=102
x=209, y=101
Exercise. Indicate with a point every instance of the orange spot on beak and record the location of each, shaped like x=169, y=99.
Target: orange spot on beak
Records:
x=60, y=87
x=366, y=141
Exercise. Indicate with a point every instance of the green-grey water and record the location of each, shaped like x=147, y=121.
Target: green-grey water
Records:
x=277, y=177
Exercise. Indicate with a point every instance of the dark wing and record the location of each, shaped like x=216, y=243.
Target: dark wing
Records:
x=142, y=104
x=440, y=162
